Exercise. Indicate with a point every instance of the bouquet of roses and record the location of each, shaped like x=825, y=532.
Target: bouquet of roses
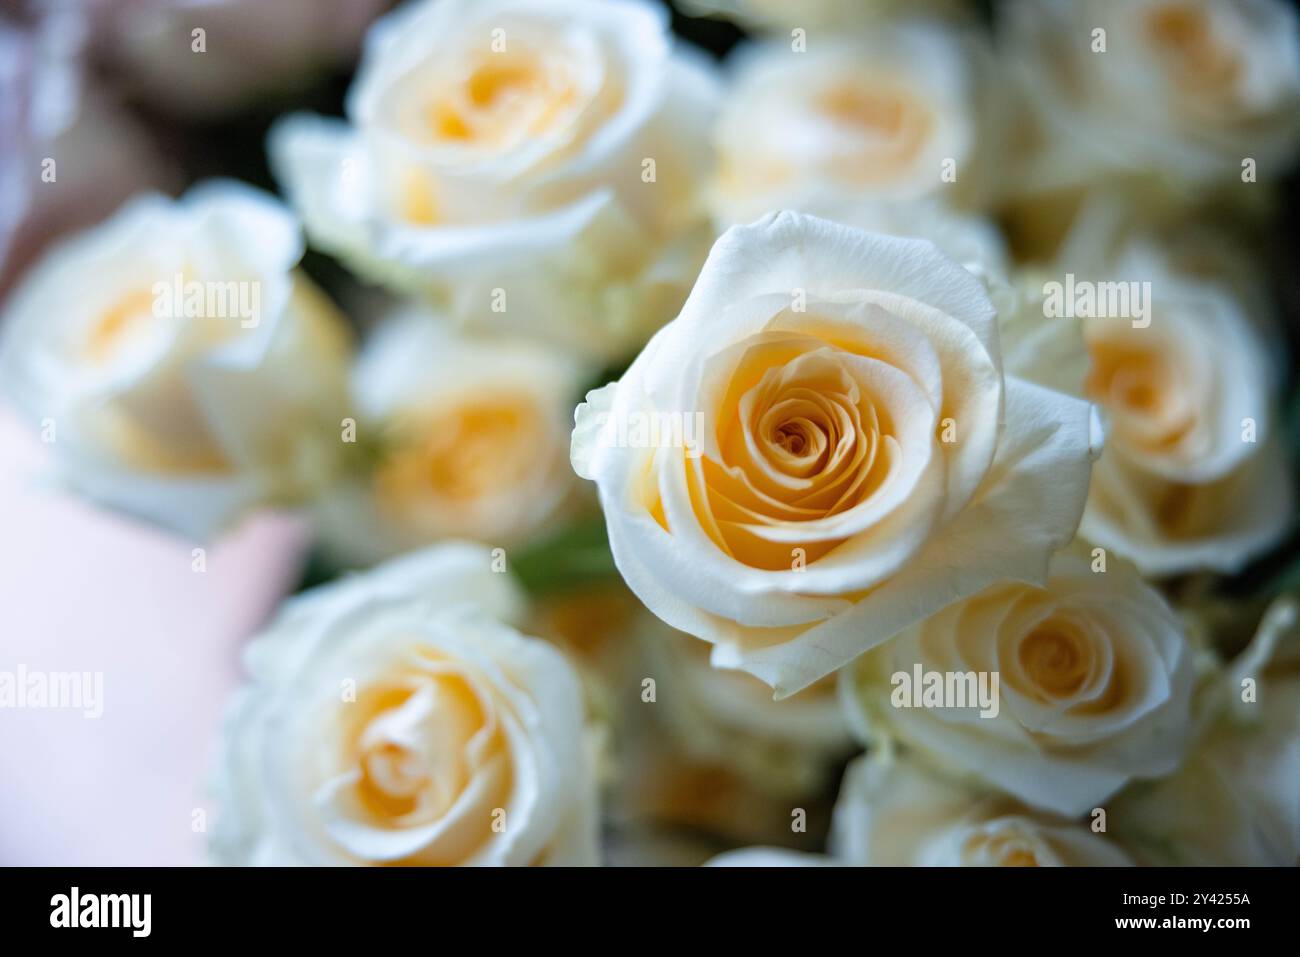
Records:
x=857, y=439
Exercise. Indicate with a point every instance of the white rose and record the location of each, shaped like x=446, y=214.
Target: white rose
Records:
x=467, y=438
x=854, y=459
x=530, y=166
x=1183, y=92
x=1194, y=475
x=392, y=718
x=1236, y=802
x=179, y=366
x=896, y=112
x=1094, y=686
x=893, y=813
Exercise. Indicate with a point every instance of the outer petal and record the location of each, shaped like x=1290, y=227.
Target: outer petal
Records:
x=1253, y=508
x=899, y=813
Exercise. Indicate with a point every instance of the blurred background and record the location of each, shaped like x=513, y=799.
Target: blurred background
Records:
x=84, y=588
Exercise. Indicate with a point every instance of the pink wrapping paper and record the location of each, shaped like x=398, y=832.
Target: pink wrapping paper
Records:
x=82, y=589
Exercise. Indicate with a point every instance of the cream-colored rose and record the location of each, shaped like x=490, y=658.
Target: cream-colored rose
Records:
x=531, y=167
x=392, y=718
x=898, y=112
x=178, y=365
x=895, y=813
x=1194, y=475
x=1179, y=92
x=853, y=458
x=1075, y=688
x=1236, y=802
x=462, y=437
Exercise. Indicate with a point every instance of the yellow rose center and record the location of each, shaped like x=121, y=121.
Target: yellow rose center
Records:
x=464, y=453
x=805, y=438
x=416, y=739
x=1001, y=851
x=1137, y=380
x=1056, y=658
x=1184, y=34
x=124, y=319
x=499, y=100
x=888, y=121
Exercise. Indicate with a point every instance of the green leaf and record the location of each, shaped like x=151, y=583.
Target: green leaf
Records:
x=577, y=555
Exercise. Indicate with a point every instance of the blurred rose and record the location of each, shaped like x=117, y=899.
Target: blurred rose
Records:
x=1237, y=800
x=55, y=174
x=532, y=167
x=1094, y=686
x=1182, y=93
x=898, y=112
x=893, y=813
x=249, y=47
x=180, y=367
x=1174, y=351
x=467, y=438
x=393, y=719
x=854, y=460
